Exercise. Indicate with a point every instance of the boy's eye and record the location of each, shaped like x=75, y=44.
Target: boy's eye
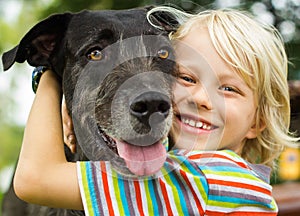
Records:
x=229, y=89
x=187, y=79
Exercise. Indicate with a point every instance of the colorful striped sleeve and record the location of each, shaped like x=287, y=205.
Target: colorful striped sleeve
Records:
x=197, y=183
x=104, y=192
x=234, y=186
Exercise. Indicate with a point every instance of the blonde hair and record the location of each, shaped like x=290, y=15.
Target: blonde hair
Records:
x=257, y=52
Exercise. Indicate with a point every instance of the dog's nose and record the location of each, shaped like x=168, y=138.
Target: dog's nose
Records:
x=149, y=103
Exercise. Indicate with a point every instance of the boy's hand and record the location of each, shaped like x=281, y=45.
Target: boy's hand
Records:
x=69, y=135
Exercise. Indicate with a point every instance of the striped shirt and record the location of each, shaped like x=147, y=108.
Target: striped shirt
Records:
x=190, y=183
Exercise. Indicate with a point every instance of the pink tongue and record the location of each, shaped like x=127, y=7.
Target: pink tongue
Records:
x=140, y=160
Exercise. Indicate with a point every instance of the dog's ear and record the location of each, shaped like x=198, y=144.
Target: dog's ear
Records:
x=39, y=45
x=164, y=19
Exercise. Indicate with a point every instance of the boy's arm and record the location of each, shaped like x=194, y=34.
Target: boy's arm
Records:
x=43, y=175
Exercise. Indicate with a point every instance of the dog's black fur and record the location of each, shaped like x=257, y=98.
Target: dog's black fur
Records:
x=63, y=43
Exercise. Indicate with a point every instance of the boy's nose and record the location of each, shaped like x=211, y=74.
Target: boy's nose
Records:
x=201, y=98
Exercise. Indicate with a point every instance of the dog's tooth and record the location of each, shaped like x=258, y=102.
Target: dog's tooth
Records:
x=105, y=139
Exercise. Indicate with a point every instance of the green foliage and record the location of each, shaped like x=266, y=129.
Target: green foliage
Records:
x=10, y=143
x=7, y=31
x=293, y=50
x=1, y=197
x=35, y=10
x=59, y=6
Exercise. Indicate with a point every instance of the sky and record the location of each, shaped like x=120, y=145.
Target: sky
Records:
x=22, y=95
x=10, y=9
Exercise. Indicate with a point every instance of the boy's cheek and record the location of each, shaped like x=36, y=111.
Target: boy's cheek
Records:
x=179, y=93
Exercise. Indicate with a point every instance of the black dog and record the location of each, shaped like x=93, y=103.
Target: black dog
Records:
x=116, y=76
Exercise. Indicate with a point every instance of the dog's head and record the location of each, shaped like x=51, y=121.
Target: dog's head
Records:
x=116, y=71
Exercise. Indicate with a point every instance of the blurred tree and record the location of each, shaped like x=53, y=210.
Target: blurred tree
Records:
x=11, y=137
x=284, y=14
x=78, y=5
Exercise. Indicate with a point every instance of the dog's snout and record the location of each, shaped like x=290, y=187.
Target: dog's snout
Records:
x=146, y=104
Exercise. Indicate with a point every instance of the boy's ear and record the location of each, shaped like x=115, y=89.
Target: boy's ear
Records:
x=256, y=129
x=39, y=46
x=164, y=20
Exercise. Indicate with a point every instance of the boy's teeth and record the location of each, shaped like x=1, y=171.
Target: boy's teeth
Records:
x=192, y=123
x=199, y=124
x=196, y=124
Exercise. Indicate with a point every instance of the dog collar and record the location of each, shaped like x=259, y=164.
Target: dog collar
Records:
x=36, y=76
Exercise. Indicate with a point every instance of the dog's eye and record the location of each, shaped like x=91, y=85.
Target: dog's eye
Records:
x=163, y=53
x=95, y=55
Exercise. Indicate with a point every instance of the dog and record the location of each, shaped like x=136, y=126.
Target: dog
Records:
x=116, y=71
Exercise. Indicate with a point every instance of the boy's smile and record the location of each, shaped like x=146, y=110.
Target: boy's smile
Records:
x=214, y=107
x=196, y=123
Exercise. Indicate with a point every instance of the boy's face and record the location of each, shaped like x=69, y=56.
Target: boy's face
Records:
x=214, y=108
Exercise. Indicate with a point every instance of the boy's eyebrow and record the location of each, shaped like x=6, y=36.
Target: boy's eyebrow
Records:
x=191, y=65
x=226, y=75
x=229, y=75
